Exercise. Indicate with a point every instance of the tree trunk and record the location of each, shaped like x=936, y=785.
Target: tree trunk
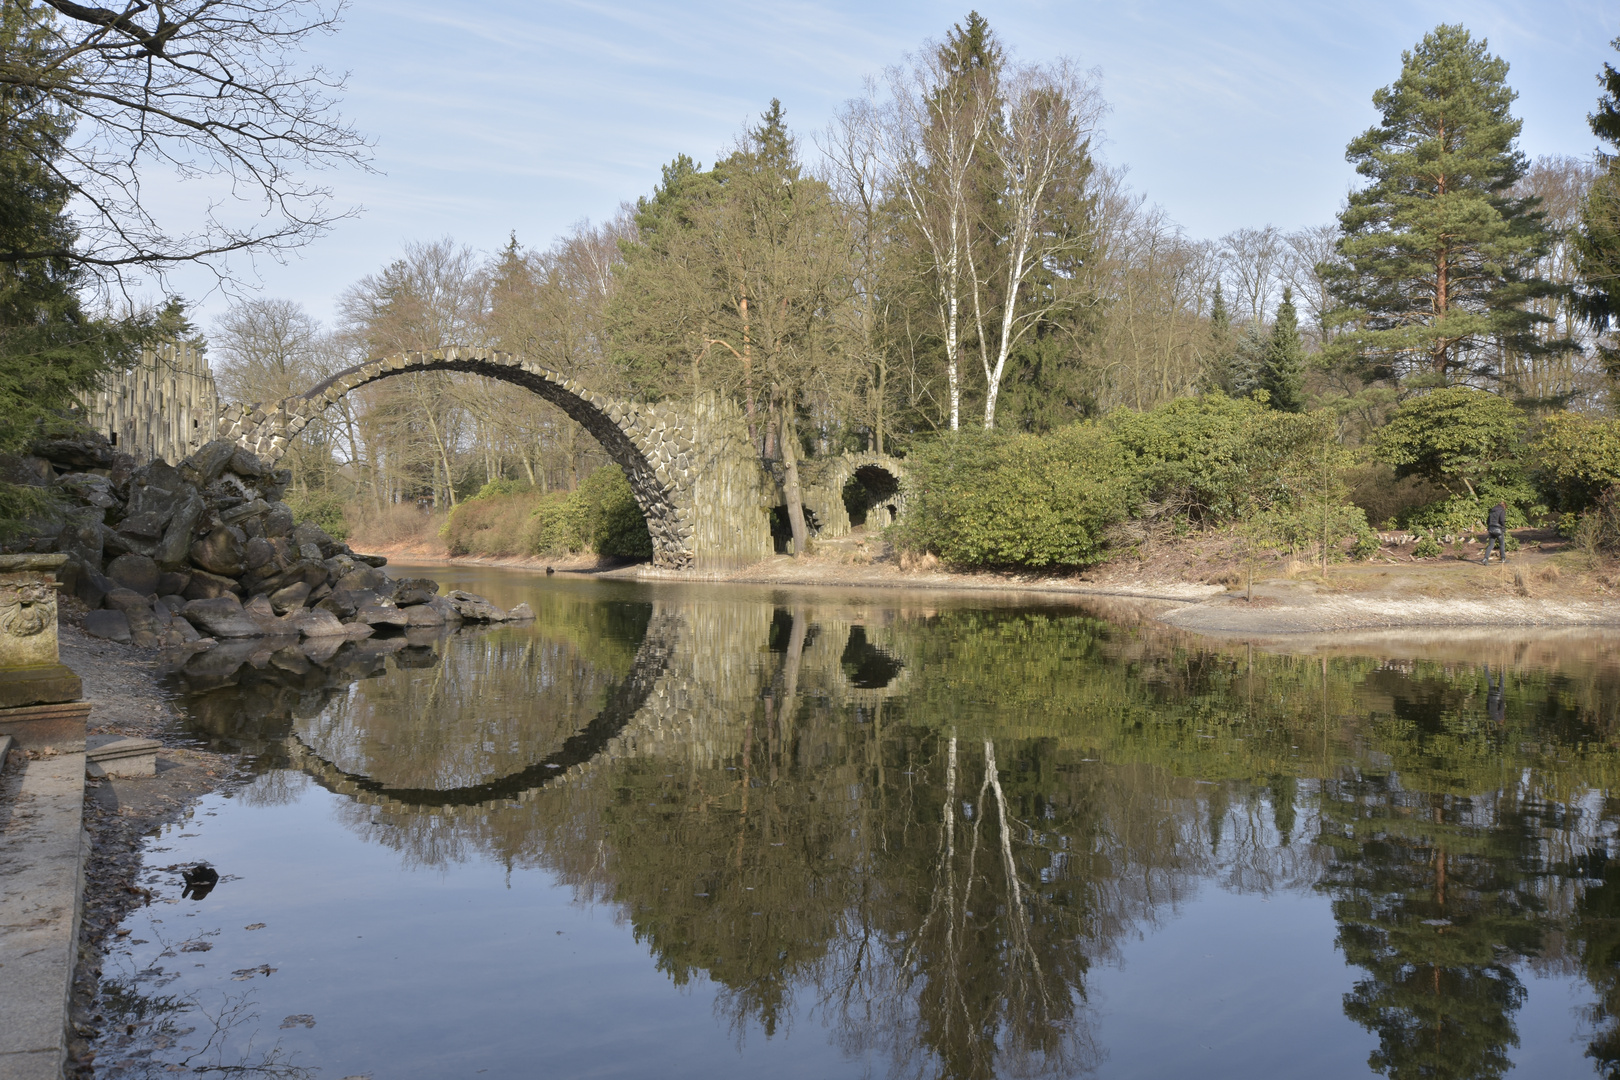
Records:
x=790, y=487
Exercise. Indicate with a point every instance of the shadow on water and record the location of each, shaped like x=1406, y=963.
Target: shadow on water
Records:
x=929, y=825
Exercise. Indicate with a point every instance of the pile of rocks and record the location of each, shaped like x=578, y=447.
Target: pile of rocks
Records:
x=192, y=553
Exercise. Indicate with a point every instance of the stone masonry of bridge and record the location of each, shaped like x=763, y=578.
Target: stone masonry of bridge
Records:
x=691, y=465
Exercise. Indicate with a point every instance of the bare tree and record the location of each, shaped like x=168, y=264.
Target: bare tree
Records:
x=852, y=152
x=1254, y=259
x=1567, y=370
x=268, y=349
x=214, y=92
x=265, y=350
x=1311, y=251
x=432, y=297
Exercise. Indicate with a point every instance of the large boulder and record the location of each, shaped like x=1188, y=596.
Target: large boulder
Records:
x=83, y=536
x=174, y=547
x=315, y=623
x=474, y=608
x=244, y=462
x=144, y=626
x=135, y=572
x=279, y=521
x=157, y=491
x=363, y=578
x=92, y=489
x=290, y=598
x=305, y=534
x=259, y=610
x=80, y=450
x=423, y=615
x=172, y=581
x=205, y=465
x=206, y=586
x=444, y=608
x=221, y=552
x=112, y=625
x=381, y=612
x=257, y=552
x=221, y=617
x=310, y=573
x=414, y=590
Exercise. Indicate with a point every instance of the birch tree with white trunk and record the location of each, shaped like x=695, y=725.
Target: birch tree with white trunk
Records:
x=1047, y=117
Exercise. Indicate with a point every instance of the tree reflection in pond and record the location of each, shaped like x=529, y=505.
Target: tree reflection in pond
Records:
x=926, y=826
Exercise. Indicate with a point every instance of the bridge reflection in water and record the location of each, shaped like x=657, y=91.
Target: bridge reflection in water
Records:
x=930, y=824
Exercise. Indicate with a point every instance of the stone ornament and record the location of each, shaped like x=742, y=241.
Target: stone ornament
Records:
x=28, y=609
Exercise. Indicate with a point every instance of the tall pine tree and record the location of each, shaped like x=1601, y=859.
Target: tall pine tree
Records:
x=1598, y=247
x=1282, y=372
x=1439, y=254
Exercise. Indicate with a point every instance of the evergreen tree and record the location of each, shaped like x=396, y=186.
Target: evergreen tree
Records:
x=50, y=349
x=1598, y=247
x=1282, y=372
x=1218, y=369
x=1439, y=255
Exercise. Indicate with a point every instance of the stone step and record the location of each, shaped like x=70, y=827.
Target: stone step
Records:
x=119, y=755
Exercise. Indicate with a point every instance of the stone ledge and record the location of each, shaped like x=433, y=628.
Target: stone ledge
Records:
x=42, y=855
x=57, y=727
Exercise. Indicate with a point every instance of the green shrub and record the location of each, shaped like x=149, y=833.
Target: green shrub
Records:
x=1366, y=545
x=556, y=526
x=1427, y=548
x=1575, y=459
x=1193, y=452
x=613, y=521
x=1462, y=439
x=981, y=499
x=323, y=509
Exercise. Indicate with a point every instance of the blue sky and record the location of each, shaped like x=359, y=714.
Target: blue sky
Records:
x=506, y=116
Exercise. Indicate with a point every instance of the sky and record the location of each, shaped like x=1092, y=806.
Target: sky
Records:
x=507, y=117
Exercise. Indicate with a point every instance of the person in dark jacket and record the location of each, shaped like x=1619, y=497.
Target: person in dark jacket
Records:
x=1496, y=532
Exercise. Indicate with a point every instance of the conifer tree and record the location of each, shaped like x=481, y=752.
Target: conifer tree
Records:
x=1282, y=372
x=1439, y=254
x=1598, y=247
x=51, y=350
x=1218, y=371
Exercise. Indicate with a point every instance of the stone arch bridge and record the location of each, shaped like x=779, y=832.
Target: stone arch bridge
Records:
x=694, y=471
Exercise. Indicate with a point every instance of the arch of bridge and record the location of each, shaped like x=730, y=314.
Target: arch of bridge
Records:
x=652, y=443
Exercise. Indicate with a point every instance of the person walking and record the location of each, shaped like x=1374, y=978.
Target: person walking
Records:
x=1496, y=533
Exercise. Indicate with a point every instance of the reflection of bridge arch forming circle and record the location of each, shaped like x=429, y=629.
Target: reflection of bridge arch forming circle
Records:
x=880, y=478
x=691, y=466
x=577, y=753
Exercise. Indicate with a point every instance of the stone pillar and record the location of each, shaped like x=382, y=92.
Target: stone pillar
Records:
x=40, y=704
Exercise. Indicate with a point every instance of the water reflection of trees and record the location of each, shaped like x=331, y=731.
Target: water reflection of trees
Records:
x=925, y=827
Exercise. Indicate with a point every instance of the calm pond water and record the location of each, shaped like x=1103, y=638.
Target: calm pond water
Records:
x=717, y=831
